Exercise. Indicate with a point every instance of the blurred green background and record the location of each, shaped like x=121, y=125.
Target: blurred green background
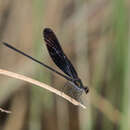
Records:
x=94, y=35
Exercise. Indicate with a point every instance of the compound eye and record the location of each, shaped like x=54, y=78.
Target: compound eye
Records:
x=86, y=89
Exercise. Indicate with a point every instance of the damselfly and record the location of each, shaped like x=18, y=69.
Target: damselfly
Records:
x=59, y=58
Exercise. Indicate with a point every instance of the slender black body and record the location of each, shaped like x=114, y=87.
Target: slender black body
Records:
x=59, y=58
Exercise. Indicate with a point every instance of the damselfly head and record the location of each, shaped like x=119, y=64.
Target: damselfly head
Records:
x=86, y=89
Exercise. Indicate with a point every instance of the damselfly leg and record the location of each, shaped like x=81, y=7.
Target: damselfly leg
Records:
x=72, y=90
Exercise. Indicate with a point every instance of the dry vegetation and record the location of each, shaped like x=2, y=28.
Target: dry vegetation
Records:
x=94, y=35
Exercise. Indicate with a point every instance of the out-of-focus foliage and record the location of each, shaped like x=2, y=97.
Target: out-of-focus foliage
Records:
x=94, y=35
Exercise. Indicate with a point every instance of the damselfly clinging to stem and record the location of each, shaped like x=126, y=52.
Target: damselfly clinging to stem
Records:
x=59, y=58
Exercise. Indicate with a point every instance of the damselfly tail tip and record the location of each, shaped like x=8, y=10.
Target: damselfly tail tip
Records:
x=4, y=43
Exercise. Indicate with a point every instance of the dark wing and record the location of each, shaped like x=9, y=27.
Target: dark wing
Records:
x=57, y=54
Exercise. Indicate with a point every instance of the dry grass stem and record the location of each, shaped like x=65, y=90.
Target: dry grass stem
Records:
x=3, y=110
x=40, y=84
